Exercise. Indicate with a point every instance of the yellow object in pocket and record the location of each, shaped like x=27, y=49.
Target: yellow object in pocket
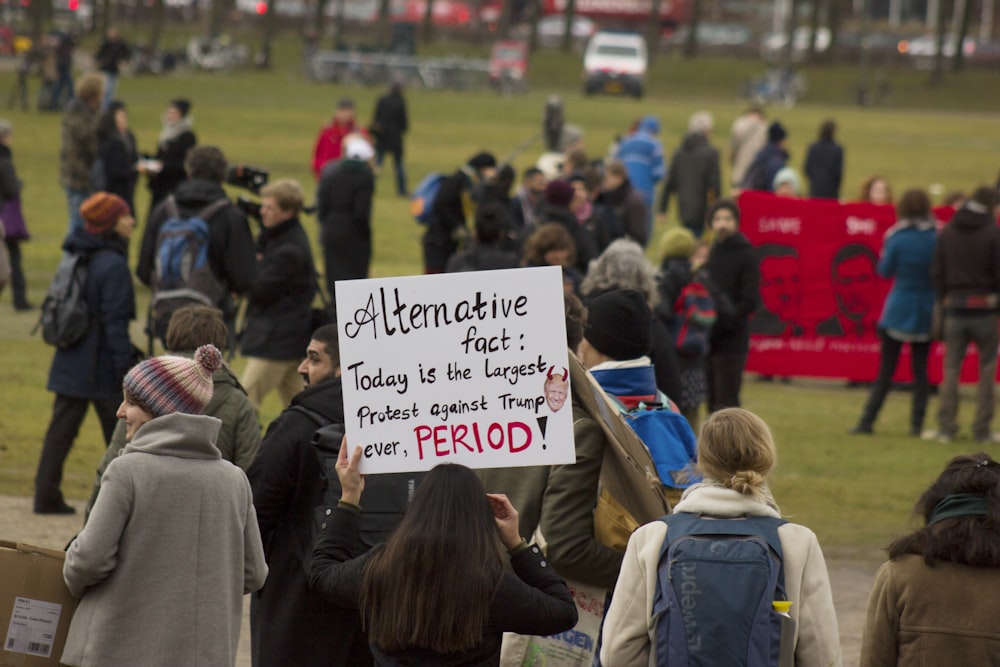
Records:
x=613, y=525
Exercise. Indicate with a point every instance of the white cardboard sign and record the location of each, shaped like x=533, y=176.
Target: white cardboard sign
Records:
x=466, y=368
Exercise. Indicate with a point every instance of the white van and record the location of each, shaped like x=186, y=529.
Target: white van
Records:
x=615, y=63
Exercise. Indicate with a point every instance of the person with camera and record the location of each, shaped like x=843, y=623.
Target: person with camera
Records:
x=279, y=311
x=231, y=257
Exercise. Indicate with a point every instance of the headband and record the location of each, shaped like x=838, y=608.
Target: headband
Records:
x=959, y=504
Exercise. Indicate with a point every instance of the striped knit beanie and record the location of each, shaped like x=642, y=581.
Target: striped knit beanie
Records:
x=101, y=211
x=163, y=385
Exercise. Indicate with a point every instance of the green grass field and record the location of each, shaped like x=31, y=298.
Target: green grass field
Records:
x=855, y=493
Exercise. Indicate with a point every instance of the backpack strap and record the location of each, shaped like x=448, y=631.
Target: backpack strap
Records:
x=317, y=418
x=213, y=208
x=170, y=207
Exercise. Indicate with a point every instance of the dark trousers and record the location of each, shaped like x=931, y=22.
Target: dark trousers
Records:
x=959, y=331
x=724, y=375
x=397, y=163
x=67, y=414
x=888, y=360
x=17, y=273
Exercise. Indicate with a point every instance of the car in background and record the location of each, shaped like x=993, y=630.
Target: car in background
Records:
x=721, y=38
x=508, y=68
x=772, y=46
x=615, y=63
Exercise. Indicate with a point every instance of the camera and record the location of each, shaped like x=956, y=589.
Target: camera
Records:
x=250, y=208
x=247, y=177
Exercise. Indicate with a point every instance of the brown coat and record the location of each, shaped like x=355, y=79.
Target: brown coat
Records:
x=945, y=615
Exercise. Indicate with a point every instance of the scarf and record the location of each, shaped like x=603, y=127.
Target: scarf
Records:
x=171, y=131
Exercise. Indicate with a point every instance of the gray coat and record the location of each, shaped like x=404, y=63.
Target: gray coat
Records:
x=171, y=547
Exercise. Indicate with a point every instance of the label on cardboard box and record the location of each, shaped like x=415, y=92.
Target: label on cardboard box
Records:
x=33, y=625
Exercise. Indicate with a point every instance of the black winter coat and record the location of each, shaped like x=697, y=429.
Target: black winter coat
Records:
x=482, y=258
x=734, y=272
x=824, y=168
x=172, y=156
x=119, y=156
x=344, y=209
x=628, y=209
x=694, y=178
x=289, y=623
x=230, y=245
x=390, y=123
x=95, y=367
x=279, y=311
x=447, y=224
x=967, y=258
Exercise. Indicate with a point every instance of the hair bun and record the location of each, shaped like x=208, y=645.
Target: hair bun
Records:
x=208, y=357
x=747, y=482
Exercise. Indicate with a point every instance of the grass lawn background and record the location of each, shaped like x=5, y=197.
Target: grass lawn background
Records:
x=854, y=492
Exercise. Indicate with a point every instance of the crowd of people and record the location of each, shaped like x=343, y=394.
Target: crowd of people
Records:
x=192, y=497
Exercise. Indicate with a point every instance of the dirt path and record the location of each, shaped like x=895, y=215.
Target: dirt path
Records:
x=850, y=574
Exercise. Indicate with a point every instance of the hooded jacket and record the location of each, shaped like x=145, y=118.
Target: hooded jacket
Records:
x=694, y=177
x=170, y=549
x=967, y=259
x=735, y=273
x=79, y=145
x=629, y=639
x=95, y=367
x=230, y=244
x=642, y=155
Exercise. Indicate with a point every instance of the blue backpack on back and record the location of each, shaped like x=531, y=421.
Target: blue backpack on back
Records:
x=716, y=581
x=669, y=439
x=422, y=199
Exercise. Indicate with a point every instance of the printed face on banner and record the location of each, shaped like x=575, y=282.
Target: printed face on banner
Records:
x=463, y=368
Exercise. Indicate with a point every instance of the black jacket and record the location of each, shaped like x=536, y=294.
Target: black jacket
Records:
x=10, y=187
x=628, y=209
x=482, y=258
x=390, y=123
x=111, y=54
x=967, y=259
x=531, y=600
x=447, y=224
x=172, y=174
x=694, y=178
x=279, y=311
x=344, y=209
x=733, y=270
x=824, y=168
x=230, y=245
x=289, y=623
x=119, y=156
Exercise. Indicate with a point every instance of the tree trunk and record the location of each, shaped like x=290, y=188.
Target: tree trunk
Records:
x=834, y=15
x=319, y=21
x=216, y=14
x=963, y=30
x=384, y=24
x=428, y=21
x=534, y=11
x=270, y=28
x=104, y=16
x=653, y=30
x=567, y=39
x=506, y=8
x=691, y=44
x=156, y=31
x=814, y=22
x=40, y=14
x=937, y=74
x=338, y=26
x=788, y=56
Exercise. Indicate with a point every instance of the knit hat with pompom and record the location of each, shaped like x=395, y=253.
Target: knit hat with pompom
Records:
x=163, y=385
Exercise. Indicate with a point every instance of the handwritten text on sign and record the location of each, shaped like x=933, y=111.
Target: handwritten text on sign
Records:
x=464, y=368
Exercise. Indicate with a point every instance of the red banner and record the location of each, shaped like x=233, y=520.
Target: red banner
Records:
x=820, y=295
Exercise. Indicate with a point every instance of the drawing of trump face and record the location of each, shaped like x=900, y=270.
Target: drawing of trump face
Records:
x=556, y=388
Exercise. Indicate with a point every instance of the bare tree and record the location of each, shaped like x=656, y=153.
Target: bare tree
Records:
x=789, y=51
x=216, y=14
x=814, y=25
x=40, y=14
x=319, y=20
x=506, y=8
x=567, y=39
x=691, y=43
x=653, y=29
x=384, y=17
x=156, y=30
x=534, y=12
x=963, y=30
x=428, y=21
x=270, y=28
x=937, y=74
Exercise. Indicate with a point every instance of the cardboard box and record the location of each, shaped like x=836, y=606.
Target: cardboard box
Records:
x=35, y=605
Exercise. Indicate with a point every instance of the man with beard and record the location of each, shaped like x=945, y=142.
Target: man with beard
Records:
x=733, y=269
x=289, y=623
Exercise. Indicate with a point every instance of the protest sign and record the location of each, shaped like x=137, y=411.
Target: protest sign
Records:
x=466, y=368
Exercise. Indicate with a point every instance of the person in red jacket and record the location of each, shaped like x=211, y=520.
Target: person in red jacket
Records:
x=329, y=143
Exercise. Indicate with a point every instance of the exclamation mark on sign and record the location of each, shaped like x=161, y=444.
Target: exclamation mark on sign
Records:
x=542, y=422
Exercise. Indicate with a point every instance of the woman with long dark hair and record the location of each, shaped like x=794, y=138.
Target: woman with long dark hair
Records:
x=906, y=317
x=117, y=151
x=934, y=601
x=437, y=592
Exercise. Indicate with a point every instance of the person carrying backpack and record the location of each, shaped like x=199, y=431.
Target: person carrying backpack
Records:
x=91, y=369
x=679, y=571
x=229, y=253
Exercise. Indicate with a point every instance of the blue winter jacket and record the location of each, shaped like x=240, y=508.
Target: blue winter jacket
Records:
x=95, y=367
x=642, y=155
x=906, y=259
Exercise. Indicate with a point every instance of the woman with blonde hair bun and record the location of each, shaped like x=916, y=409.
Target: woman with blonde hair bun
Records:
x=736, y=452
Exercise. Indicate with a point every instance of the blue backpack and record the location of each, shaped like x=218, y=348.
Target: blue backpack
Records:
x=669, y=439
x=422, y=199
x=716, y=581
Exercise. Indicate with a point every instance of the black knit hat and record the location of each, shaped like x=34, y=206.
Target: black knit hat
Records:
x=619, y=325
x=482, y=161
x=776, y=132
